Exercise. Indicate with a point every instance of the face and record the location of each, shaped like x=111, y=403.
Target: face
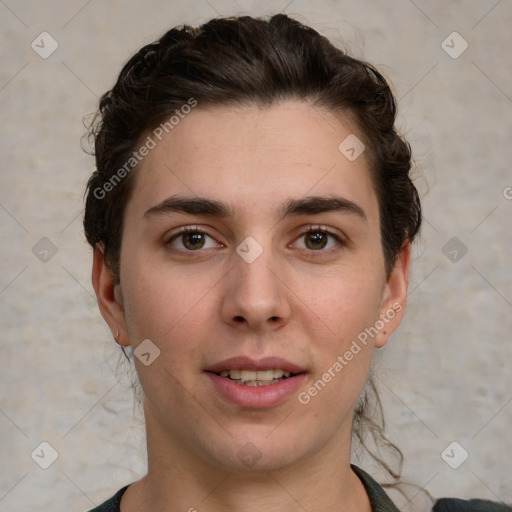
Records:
x=251, y=259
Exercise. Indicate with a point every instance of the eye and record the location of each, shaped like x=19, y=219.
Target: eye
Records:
x=192, y=239
x=317, y=239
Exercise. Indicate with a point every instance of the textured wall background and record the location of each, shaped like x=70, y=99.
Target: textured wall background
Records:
x=445, y=376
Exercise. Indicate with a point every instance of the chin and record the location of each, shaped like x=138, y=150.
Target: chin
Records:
x=259, y=453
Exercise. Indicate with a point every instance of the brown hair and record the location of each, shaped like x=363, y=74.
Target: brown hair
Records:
x=249, y=61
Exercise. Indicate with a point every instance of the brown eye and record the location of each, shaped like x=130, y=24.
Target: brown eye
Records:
x=316, y=240
x=193, y=240
x=319, y=239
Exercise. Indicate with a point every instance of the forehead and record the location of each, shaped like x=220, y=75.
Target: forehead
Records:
x=255, y=156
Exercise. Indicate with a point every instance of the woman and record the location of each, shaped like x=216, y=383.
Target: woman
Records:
x=251, y=217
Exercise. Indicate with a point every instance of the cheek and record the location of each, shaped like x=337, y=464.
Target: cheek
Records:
x=172, y=314
x=345, y=302
x=153, y=302
x=171, y=308
x=339, y=314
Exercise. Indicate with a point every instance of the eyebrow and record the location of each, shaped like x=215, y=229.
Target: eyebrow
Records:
x=293, y=207
x=315, y=204
x=190, y=205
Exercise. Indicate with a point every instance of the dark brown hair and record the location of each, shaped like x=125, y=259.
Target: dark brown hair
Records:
x=248, y=61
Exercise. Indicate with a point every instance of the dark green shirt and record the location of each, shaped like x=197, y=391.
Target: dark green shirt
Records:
x=379, y=500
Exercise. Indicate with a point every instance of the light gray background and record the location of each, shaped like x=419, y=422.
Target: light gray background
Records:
x=444, y=377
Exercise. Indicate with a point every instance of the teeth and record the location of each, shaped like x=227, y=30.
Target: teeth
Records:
x=252, y=378
x=255, y=383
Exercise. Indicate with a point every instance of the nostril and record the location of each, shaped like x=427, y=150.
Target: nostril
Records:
x=274, y=318
x=239, y=319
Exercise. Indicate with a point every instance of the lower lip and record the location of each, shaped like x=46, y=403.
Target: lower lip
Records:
x=256, y=397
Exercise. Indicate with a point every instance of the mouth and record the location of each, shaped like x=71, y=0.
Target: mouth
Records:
x=250, y=383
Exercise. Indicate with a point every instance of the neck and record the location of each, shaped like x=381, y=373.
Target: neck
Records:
x=179, y=481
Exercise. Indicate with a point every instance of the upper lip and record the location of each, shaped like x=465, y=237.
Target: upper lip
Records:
x=247, y=363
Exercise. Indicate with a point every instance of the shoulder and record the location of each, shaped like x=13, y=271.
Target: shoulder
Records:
x=458, y=505
x=113, y=504
x=381, y=502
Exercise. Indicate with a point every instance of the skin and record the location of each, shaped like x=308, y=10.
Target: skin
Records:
x=199, y=307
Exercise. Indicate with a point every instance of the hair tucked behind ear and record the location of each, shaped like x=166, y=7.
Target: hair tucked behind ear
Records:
x=250, y=61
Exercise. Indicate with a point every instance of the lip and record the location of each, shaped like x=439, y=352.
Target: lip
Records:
x=246, y=363
x=255, y=397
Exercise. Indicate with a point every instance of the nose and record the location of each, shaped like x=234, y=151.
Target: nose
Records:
x=256, y=297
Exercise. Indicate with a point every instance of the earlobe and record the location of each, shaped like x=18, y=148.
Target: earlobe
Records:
x=109, y=296
x=394, y=296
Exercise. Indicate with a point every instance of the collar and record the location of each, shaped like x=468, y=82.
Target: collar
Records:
x=379, y=500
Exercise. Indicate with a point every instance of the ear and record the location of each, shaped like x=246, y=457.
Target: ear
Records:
x=394, y=296
x=109, y=296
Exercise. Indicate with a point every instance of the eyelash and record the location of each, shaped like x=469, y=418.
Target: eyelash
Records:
x=311, y=230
